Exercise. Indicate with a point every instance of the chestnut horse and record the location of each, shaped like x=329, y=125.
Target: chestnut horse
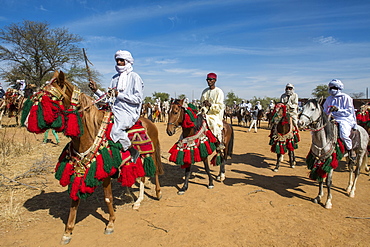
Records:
x=92, y=119
x=176, y=117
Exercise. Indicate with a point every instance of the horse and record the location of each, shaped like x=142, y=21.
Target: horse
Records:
x=157, y=114
x=229, y=113
x=243, y=116
x=269, y=116
x=260, y=117
x=327, y=149
x=284, y=136
x=14, y=104
x=197, y=142
x=90, y=157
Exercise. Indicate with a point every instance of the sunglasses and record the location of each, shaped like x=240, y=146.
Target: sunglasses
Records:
x=210, y=79
x=290, y=88
x=120, y=59
x=335, y=88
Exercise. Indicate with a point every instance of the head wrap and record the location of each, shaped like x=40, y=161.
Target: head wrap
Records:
x=123, y=70
x=338, y=84
x=212, y=75
x=289, y=91
x=124, y=55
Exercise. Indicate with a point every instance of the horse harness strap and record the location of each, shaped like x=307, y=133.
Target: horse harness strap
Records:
x=85, y=158
x=330, y=146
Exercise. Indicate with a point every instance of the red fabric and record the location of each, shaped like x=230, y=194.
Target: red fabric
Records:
x=334, y=161
x=187, y=123
x=126, y=176
x=100, y=173
x=210, y=136
x=107, y=132
x=212, y=75
x=197, y=157
x=84, y=188
x=75, y=188
x=209, y=149
x=187, y=156
x=174, y=153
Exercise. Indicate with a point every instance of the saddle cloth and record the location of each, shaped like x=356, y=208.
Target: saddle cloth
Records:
x=355, y=138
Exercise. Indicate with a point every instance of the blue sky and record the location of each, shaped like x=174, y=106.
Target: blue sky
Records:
x=255, y=46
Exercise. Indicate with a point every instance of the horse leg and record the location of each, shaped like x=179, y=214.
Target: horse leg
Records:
x=279, y=158
x=67, y=236
x=157, y=187
x=141, y=181
x=186, y=182
x=107, y=187
x=357, y=174
x=210, y=178
x=292, y=159
x=221, y=176
x=317, y=199
x=329, y=180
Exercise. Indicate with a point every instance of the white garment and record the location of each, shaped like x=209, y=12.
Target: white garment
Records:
x=215, y=113
x=291, y=101
x=125, y=107
x=345, y=115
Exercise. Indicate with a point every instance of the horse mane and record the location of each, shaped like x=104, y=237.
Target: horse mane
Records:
x=329, y=128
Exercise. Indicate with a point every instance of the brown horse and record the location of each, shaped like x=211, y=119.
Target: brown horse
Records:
x=92, y=120
x=193, y=137
x=260, y=116
x=284, y=136
x=13, y=104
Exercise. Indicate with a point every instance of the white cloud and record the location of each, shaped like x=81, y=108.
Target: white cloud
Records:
x=325, y=40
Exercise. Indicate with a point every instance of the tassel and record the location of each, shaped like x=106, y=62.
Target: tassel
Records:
x=187, y=156
x=334, y=162
x=32, y=121
x=40, y=118
x=187, y=123
x=74, y=188
x=290, y=145
x=180, y=158
x=73, y=124
x=209, y=150
x=66, y=175
x=149, y=166
x=107, y=159
x=47, y=110
x=174, y=155
x=26, y=110
x=197, y=157
x=126, y=178
x=100, y=172
x=203, y=150
x=90, y=179
x=59, y=169
x=210, y=136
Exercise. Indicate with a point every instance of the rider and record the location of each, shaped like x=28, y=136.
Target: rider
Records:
x=343, y=111
x=290, y=99
x=243, y=106
x=249, y=106
x=271, y=105
x=127, y=89
x=212, y=100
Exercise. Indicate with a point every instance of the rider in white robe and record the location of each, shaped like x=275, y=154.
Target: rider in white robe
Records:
x=343, y=111
x=290, y=99
x=212, y=99
x=127, y=98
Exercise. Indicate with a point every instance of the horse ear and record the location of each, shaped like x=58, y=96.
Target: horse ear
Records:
x=320, y=100
x=61, y=78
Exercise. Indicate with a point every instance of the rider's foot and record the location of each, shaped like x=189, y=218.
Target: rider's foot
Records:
x=221, y=146
x=134, y=154
x=352, y=155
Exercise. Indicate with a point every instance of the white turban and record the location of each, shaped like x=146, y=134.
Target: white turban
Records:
x=336, y=83
x=124, y=55
x=289, y=85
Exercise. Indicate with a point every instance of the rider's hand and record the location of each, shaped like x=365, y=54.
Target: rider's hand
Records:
x=206, y=103
x=333, y=108
x=92, y=86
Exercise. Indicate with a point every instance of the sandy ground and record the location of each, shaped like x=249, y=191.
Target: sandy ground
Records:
x=254, y=206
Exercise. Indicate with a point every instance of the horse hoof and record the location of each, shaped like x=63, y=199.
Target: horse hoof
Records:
x=108, y=231
x=292, y=166
x=180, y=192
x=65, y=239
x=352, y=194
x=275, y=170
x=221, y=177
x=159, y=196
x=328, y=206
x=136, y=206
x=211, y=186
x=315, y=200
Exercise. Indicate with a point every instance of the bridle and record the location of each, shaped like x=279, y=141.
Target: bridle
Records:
x=313, y=123
x=178, y=116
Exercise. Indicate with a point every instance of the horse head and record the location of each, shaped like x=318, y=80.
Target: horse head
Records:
x=311, y=113
x=175, y=116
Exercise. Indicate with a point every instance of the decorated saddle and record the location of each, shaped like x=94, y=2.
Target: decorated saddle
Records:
x=187, y=151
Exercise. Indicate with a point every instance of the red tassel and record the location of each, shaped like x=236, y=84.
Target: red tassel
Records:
x=66, y=176
x=32, y=125
x=47, y=110
x=173, y=155
x=126, y=176
x=209, y=149
x=341, y=146
x=60, y=159
x=100, y=172
x=197, y=157
x=84, y=188
x=210, y=136
x=72, y=128
x=75, y=188
x=187, y=156
x=140, y=172
x=334, y=161
x=289, y=145
x=107, y=132
x=282, y=151
x=187, y=123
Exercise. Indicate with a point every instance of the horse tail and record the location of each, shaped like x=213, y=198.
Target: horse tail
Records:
x=231, y=142
x=157, y=158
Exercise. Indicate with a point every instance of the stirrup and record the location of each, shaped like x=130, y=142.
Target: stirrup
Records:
x=221, y=146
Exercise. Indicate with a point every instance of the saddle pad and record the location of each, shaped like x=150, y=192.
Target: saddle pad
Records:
x=355, y=138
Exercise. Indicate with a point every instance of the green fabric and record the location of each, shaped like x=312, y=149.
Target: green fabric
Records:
x=149, y=166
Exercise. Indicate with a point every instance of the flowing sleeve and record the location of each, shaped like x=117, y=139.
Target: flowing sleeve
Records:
x=218, y=104
x=135, y=94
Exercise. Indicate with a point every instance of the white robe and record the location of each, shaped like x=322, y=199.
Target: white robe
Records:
x=125, y=107
x=215, y=113
x=291, y=101
x=345, y=115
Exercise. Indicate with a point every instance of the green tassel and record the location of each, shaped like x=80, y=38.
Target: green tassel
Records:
x=192, y=118
x=80, y=124
x=213, y=146
x=116, y=153
x=203, y=150
x=339, y=153
x=59, y=172
x=107, y=159
x=326, y=167
x=271, y=141
x=180, y=158
x=57, y=123
x=193, y=107
x=218, y=159
x=40, y=118
x=83, y=195
x=192, y=155
x=90, y=179
x=310, y=161
x=277, y=148
x=149, y=166
x=72, y=179
x=26, y=110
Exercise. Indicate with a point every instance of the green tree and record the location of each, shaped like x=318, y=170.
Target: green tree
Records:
x=32, y=50
x=162, y=96
x=320, y=91
x=231, y=97
x=148, y=99
x=357, y=95
x=182, y=96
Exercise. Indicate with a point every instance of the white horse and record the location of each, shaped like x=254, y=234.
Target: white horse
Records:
x=324, y=144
